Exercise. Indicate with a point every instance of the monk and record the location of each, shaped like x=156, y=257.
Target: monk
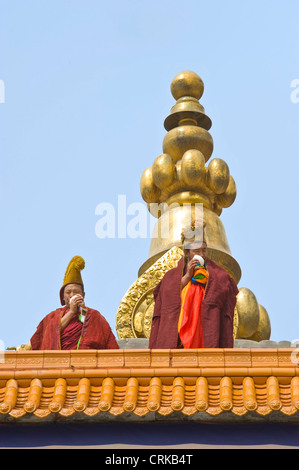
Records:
x=74, y=326
x=194, y=304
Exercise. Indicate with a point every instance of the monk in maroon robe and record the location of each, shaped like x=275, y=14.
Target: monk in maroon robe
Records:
x=215, y=319
x=74, y=326
x=95, y=333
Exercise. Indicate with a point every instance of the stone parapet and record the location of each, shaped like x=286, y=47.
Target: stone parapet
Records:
x=140, y=343
x=223, y=385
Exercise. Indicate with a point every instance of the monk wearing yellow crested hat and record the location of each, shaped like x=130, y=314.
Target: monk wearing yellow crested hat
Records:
x=73, y=326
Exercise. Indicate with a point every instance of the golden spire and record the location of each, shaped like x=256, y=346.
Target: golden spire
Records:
x=182, y=176
x=180, y=172
x=181, y=180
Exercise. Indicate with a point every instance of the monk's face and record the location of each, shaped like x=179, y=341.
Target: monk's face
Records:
x=70, y=290
x=201, y=250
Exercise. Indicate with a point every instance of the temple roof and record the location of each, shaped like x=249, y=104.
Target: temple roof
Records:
x=205, y=384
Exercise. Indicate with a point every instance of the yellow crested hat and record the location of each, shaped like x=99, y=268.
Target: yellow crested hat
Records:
x=73, y=274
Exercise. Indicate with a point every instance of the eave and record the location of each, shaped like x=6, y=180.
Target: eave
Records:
x=216, y=385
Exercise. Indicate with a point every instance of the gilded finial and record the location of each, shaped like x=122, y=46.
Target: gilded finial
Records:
x=187, y=88
x=180, y=173
x=184, y=176
x=182, y=187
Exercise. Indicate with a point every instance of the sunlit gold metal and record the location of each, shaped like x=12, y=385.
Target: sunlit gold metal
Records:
x=173, y=187
x=263, y=330
x=248, y=313
x=181, y=139
x=187, y=88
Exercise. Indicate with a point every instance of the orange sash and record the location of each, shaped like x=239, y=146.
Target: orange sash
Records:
x=190, y=325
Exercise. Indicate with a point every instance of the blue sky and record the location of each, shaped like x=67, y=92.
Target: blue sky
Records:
x=87, y=89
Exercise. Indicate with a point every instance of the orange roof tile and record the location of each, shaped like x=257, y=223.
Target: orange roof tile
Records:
x=197, y=383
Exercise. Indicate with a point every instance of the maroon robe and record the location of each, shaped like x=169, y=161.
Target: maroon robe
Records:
x=217, y=309
x=70, y=335
x=95, y=334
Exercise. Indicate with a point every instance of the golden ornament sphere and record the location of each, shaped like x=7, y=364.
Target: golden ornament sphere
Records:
x=163, y=171
x=187, y=83
x=248, y=313
x=227, y=198
x=193, y=167
x=178, y=170
x=181, y=139
x=217, y=209
x=149, y=191
x=218, y=175
x=264, y=327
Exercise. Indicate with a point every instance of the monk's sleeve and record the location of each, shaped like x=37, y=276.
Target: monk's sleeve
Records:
x=111, y=341
x=104, y=337
x=232, y=298
x=37, y=338
x=47, y=334
x=227, y=320
x=156, y=317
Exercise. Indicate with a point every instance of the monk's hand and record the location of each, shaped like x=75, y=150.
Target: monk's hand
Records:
x=191, y=267
x=76, y=302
